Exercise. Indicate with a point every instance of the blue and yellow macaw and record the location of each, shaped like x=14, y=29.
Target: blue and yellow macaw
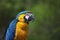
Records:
x=18, y=28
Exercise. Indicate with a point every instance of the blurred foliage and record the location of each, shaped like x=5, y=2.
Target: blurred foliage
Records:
x=46, y=25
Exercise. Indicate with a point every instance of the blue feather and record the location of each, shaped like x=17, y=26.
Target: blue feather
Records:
x=11, y=30
x=23, y=12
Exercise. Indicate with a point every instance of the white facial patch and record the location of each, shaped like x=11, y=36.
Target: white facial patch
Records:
x=27, y=17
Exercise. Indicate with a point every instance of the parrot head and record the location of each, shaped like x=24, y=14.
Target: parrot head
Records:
x=25, y=16
x=29, y=17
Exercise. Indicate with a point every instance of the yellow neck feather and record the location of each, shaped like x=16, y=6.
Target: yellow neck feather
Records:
x=21, y=18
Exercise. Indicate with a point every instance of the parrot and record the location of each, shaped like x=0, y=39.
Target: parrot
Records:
x=18, y=27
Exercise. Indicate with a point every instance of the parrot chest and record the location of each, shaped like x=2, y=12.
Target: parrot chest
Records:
x=21, y=31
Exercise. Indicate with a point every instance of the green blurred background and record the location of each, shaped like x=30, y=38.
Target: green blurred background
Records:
x=47, y=17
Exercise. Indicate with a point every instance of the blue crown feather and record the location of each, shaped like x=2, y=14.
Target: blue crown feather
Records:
x=23, y=12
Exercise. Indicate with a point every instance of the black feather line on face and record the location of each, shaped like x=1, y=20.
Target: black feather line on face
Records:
x=26, y=20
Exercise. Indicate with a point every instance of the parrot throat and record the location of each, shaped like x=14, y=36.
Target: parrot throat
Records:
x=21, y=31
x=24, y=22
